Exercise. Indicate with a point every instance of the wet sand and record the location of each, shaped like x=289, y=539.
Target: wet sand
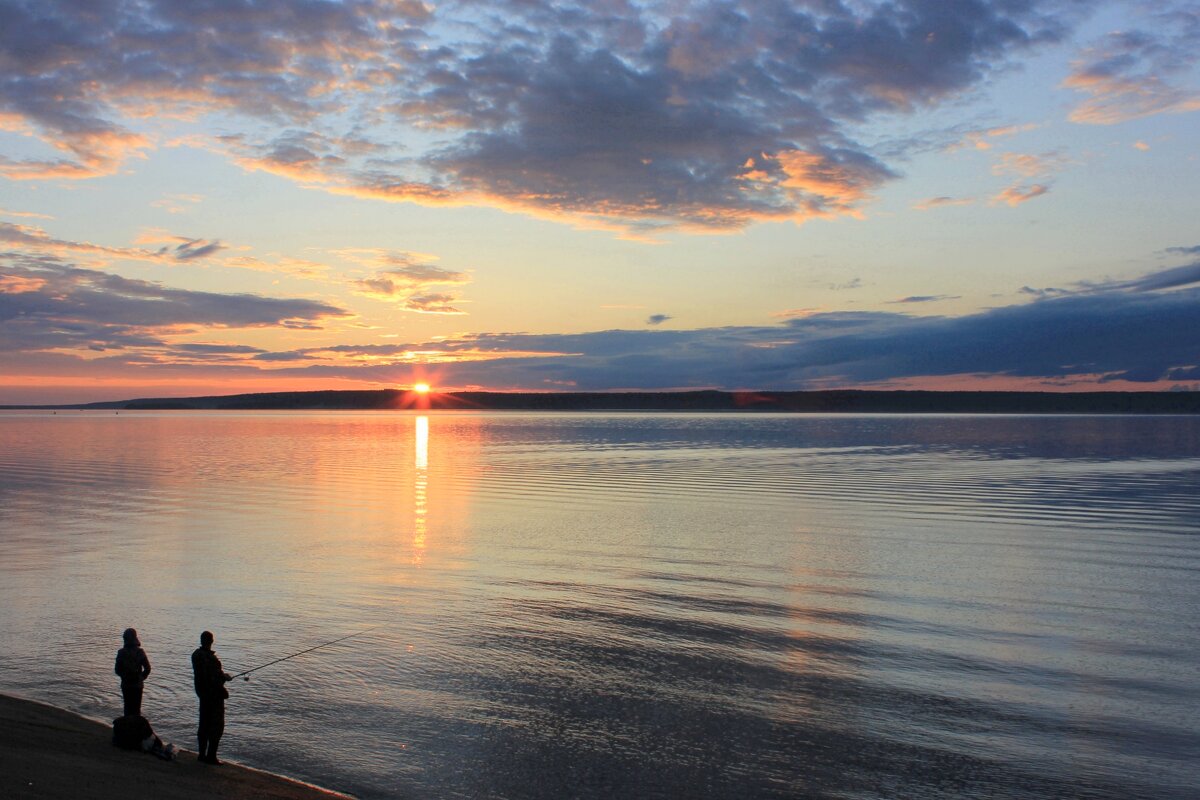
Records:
x=51, y=753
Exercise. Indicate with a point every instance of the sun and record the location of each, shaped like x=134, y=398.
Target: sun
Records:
x=421, y=388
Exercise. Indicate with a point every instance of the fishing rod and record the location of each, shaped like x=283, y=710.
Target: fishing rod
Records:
x=246, y=675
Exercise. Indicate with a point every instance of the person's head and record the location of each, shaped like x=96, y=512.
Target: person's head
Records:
x=130, y=637
x=206, y=639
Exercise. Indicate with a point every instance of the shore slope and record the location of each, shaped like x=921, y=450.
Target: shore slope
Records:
x=47, y=752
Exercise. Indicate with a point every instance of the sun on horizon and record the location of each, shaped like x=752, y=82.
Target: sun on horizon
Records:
x=421, y=388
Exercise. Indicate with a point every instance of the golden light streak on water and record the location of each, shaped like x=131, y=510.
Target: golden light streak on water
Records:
x=422, y=443
x=420, y=488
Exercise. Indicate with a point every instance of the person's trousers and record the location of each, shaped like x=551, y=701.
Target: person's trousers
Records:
x=212, y=725
x=132, y=694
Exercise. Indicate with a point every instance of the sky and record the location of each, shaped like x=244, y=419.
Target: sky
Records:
x=220, y=196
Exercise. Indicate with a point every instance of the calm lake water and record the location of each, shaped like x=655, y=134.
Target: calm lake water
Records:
x=627, y=605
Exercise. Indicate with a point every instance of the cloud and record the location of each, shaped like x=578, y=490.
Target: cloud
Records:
x=1049, y=291
x=62, y=321
x=408, y=281
x=654, y=133
x=657, y=319
x=30, y=238
x=304, y=156
x=177, y=203
x=49, y=306
x=23, y=214
x=287, y=265
x=1172, y=278
x=1194, y=250
x=1016, y=194
x=607, y=115
x=850, y=285
x=20, y=284
x=95, y=152
x=76, y=74
x=192, y=249
x=1159, y=280
x=941, y=202
x=434, y=303
x=924, y=298
x=1081, y=339
x=1112, y=334
x=1130, y=74
x=1028, y=165
x=792, y=313
x=980, y=139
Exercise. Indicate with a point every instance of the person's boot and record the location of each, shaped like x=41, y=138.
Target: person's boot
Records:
x=202, y=753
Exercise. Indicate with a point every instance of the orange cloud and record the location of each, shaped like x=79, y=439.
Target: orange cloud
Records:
x=829, y=187
x=298, y=267
x=407, y=279
x=30, y=237
x=941, y=202
x=798, y=313
x=1115, y=98
x=177, y=203
x=95, y=154
x=1028, y=165
x=19, y=284
x=979, y=139
x=1017, y=194
x=4, y=212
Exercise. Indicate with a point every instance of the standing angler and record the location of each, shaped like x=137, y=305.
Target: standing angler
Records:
x=210, y=679
x=133, y=666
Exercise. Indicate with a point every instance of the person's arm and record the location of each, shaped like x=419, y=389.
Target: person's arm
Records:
x=219, y=670
x=117, y=666
x=145, y=665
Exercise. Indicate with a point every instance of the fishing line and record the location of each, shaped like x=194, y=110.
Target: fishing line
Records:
x=246, y=674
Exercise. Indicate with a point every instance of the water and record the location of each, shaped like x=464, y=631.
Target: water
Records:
x=628, y=605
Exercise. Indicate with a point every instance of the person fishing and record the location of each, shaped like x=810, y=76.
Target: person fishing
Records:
x=134, y=667
x=210, y=679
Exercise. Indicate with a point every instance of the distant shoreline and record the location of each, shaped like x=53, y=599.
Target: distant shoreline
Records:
x=818, y=402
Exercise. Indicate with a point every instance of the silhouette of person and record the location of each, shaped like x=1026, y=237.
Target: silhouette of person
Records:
x=210, y=679
x=133, y=666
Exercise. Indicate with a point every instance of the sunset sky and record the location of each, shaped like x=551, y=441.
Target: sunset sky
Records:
x=218, y=196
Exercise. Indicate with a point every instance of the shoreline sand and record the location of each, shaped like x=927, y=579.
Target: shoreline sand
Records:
x=49, y=752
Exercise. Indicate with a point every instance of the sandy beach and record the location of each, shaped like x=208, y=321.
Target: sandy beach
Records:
x=47, y=752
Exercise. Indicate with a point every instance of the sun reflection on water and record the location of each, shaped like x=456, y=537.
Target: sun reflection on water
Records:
x=420, y=488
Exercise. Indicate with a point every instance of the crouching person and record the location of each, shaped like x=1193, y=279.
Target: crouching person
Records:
x=133, y=732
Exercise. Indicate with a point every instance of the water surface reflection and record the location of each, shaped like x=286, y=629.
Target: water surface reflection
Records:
x=629, y=605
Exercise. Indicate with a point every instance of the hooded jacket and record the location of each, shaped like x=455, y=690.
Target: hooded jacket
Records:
x=132, y=664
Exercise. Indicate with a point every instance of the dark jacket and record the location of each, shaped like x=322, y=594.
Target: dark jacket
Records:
x=208, y=675
x=132, y=665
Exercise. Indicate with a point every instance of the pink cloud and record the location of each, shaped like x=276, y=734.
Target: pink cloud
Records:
x=1016, y=195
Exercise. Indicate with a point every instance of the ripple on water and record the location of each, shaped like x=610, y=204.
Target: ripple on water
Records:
x=629, y=605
